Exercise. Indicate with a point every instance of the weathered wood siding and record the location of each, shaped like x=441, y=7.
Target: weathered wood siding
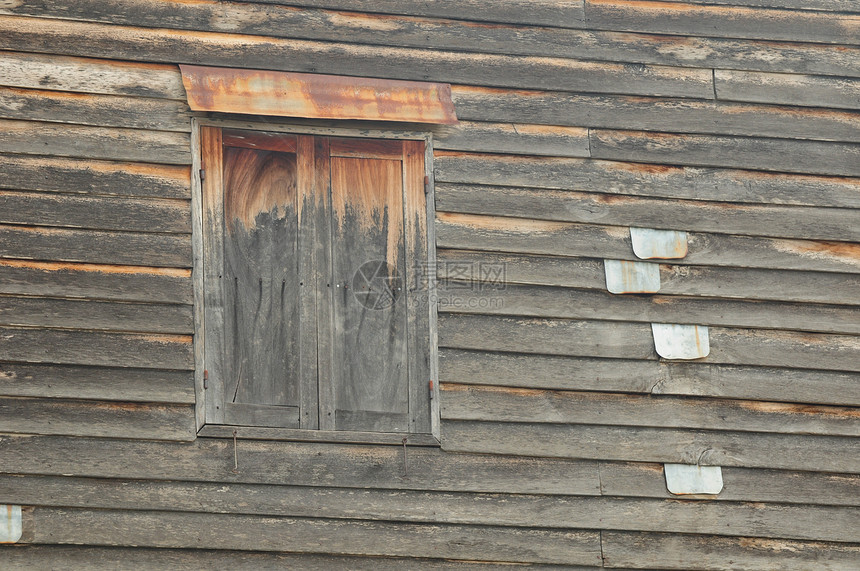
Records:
x=737, y=121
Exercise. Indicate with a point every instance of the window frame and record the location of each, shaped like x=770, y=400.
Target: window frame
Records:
x=350, y=129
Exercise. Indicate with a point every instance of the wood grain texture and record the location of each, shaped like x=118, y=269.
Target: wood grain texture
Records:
x=96, y=247
x=665, y=551
x=52, y=174
x=177, y=529
x=808, y=157
x=227, y=50
x=515, y=139
x=496, y=404
x=93, y=418
x=683, y=446
x=120, y=283
x=683, y=115
x=725, y=185
x=95, y=212
x=597, y=208
x=95, y=348
x=85, y=75
x=96, y=383
x=822, y=5
x=89, y=109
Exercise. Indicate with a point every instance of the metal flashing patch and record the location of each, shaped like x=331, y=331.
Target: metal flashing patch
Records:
x=10, y=524
x=681, y=341
x=631, y=277
x=689, y=479
x=663, y=244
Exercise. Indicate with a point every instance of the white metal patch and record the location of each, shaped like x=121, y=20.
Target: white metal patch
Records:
x=664, y=244
x=690, y=479
x=10, y=524
x=681, y=341
x=631, y=277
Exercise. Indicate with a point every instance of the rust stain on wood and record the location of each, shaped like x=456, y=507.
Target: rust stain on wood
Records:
x=501, y=224
x=99, y=268
x=841, y=251
x=166, y=339
x=789, y=408
x=259, y=92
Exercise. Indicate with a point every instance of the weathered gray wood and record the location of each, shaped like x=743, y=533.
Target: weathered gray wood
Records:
x=594, y=208
x=785, y=349
x=808, y=157
x=97, y=247
x=63, y=73
x=484, y=403
x=96, y=177
x=739, y=484
x=100, y=110
x=823, y=5
x=155, y=45
x=98, y=315
x=513, y=235
x=120, y=283
x=541, y=301
x=727, y=22
x=85, y=558
x=96, y=383
x=786, y=89
x=648, y=180
x=722, y=282
x=637, y=376
x=667, y=551
x=225, y=531
x=675, y=115
x=705, y=447
x=95, y=348
x=93, y=418
x=515, y=139
x=298, y=464
x=98, y=213
x=838, y=523
x=36, y=138
x=304, y=435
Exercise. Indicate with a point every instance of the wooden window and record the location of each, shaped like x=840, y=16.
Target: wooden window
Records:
x=314, y=314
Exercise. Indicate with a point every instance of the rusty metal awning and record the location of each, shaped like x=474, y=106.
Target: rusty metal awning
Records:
x=283, y=94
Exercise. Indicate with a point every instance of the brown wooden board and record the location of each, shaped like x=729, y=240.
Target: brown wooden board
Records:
x=96, y=383
x=726, y=185
x=120, y=283
x=81, y=176
x=786, y=89
x=637, y=444
x=100, y=110
x=93, y=418
x=514, y=139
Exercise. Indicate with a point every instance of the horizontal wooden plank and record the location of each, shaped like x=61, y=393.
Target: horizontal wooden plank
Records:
x=27, y=557
x=621, y=340
x=513, y=235
x=822, y=5
x=725, y=185
x=302, y=435
x=721, y=282
x=35, y=138
x=100, y=110
x=121, y=283
x=298, y=464
x=96, y=247
x=490, y=403
x=543, y=301
x=649, y=377
x=515, y=139
x=593, y=208
x=96, y=383
x=255, y=52
x=81, y=176
x=783, y=155
x=837, y=523
x=638, y=444
x=96, y=348
x=347, y=537
x=84, y=75
x=94, y=418
x=673, y=115
x=683, y=552
x=726, y=22
x=96, y=315
x=786, y=89
x=95, y=212
x=739, y=484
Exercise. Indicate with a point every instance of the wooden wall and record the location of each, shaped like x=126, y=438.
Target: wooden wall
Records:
x=737, y=121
